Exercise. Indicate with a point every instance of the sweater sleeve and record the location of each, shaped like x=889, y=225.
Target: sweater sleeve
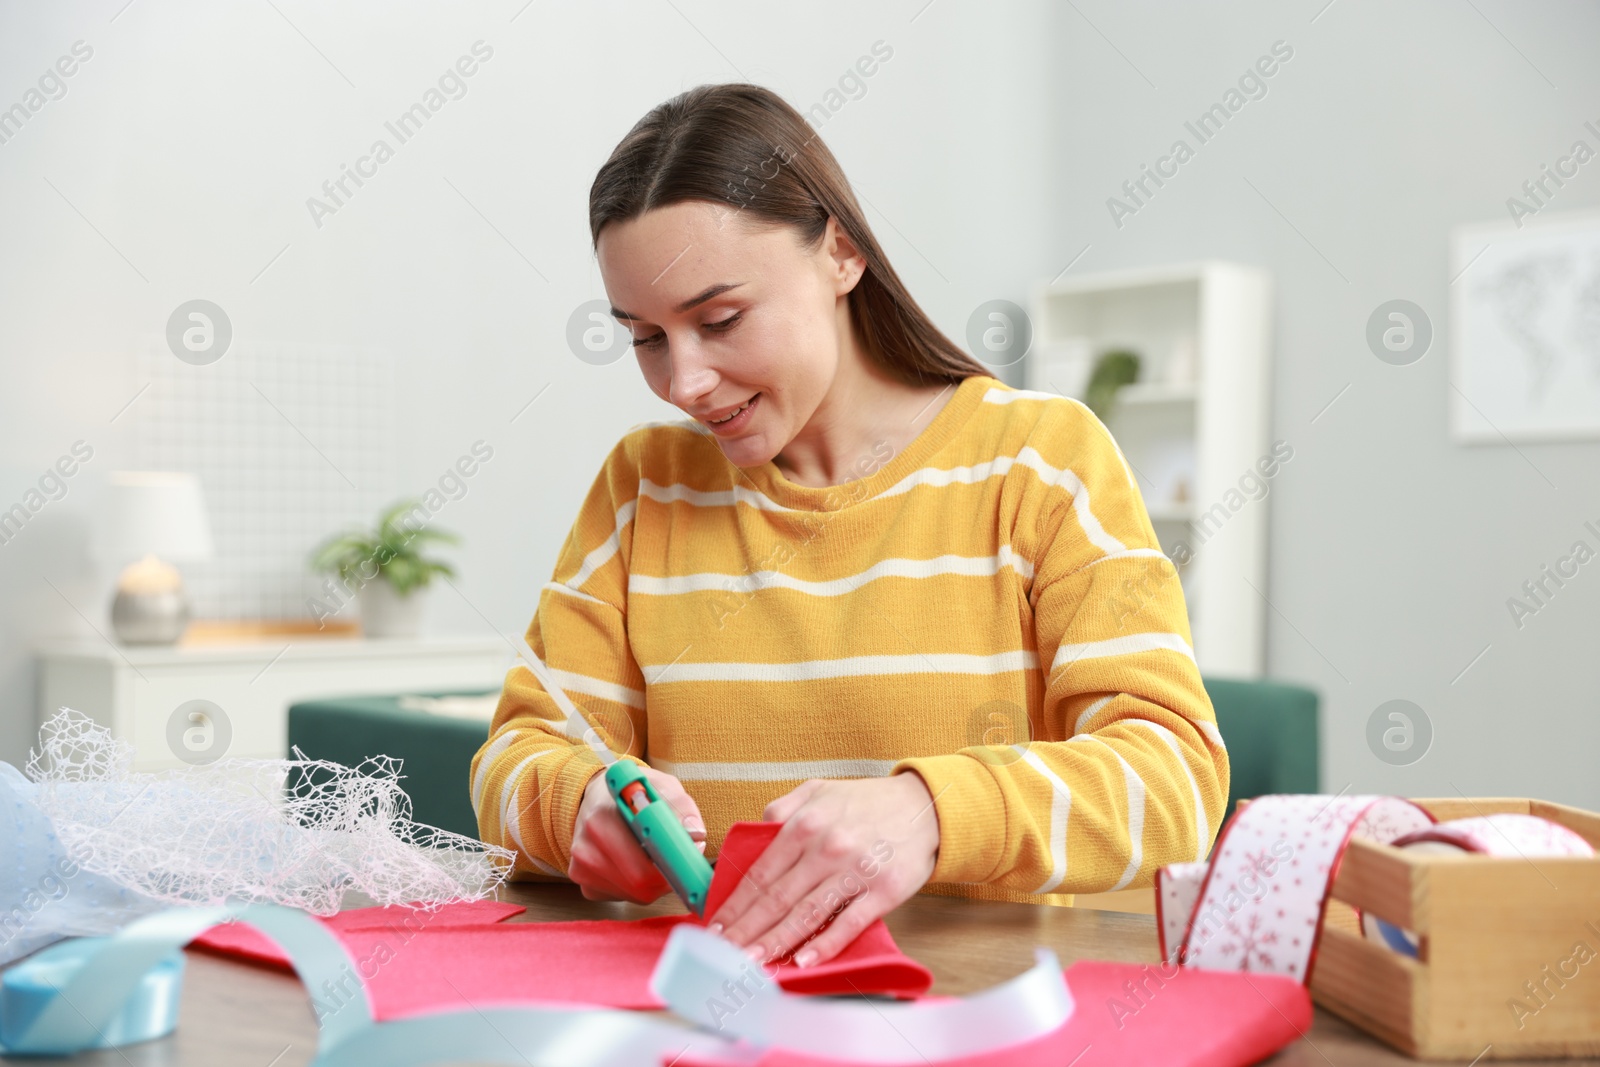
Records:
x=1125, y=770
x=528, y=778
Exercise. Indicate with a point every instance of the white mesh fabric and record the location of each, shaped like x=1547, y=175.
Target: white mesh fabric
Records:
x=230, y=831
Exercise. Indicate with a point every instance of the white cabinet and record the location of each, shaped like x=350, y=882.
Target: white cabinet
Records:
x=1195, y=427
x=137, y=692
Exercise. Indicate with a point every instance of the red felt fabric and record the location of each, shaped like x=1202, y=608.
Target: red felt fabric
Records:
x=462, y=954
x=1194, y=1018
x=745, y=843
x=246, y=942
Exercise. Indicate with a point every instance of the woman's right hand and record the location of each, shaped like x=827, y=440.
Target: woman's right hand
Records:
x=607, y=863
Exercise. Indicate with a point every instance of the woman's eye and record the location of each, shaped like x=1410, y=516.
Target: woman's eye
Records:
x=657, y=340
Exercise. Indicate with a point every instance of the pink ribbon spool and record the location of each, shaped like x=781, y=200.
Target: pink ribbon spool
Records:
x=1503, y=834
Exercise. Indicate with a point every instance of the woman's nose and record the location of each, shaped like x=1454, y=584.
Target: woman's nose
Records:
x=693, y=377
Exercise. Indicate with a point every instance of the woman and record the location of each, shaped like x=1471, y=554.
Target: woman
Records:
x=866, y=590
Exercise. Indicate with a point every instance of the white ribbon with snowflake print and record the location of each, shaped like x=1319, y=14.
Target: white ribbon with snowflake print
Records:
x=1257, y=905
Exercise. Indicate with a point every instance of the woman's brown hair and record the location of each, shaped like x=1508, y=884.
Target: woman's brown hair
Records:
x=744, y=146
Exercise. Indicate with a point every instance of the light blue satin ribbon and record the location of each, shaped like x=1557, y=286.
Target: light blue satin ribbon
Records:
x=76, y=994
x=150, y=1011
x=104, y=991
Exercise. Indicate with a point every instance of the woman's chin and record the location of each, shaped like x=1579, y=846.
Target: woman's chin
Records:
x=745, y=451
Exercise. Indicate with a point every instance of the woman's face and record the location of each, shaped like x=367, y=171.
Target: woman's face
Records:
x=726, y=311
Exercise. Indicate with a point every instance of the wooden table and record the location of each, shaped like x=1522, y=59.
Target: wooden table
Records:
x=240, y=1015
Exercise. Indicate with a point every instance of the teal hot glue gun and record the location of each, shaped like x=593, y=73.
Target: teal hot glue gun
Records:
x=654, y=823
x=660, y=833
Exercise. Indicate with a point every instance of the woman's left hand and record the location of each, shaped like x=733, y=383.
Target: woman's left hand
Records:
x=868, y=843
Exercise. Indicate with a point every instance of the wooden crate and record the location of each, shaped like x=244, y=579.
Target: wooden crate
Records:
x=1487, y=926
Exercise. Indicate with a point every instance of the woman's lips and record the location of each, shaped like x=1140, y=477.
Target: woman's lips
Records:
x=738, y=422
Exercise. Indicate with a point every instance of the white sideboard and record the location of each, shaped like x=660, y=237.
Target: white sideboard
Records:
x=136, y=691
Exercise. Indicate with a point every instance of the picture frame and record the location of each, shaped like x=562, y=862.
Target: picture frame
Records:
x=1525, y=329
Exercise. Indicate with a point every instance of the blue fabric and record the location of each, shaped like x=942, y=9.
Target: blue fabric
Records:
x=46, y=894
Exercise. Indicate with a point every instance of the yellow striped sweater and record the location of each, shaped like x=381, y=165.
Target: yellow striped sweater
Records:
x=989, y=608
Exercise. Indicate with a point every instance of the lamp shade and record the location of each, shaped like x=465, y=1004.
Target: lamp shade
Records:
x=160, y=513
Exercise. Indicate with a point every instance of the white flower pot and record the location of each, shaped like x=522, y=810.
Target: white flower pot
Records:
x=385, y=613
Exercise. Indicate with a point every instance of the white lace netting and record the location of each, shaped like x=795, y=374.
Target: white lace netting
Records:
x=234, y=830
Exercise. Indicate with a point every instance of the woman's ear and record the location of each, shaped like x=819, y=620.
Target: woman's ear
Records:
x=847, y=263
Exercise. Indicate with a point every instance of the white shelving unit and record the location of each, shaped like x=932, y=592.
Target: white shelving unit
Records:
x=1192, y=426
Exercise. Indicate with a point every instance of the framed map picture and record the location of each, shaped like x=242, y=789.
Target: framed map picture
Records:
x=1525, y=329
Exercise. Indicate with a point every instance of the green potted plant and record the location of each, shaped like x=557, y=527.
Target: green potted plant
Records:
x=1111, y=372
x=386, y=569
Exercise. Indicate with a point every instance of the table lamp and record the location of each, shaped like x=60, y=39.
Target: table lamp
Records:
x=155, y=517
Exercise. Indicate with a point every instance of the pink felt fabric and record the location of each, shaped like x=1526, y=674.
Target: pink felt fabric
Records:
x=1193, y=1019
x=462, y=954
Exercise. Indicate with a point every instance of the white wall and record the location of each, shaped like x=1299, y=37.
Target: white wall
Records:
x=1393, y=551
x=986, y=149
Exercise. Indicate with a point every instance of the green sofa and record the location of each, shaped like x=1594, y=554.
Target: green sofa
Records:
x=1270, y=728
x=1271, y=732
